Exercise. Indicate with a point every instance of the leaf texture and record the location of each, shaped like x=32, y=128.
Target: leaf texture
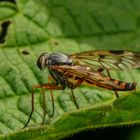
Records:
x=64, y=26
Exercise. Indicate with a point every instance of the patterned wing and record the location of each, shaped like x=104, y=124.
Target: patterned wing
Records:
x=78, y=74
x=111, y=60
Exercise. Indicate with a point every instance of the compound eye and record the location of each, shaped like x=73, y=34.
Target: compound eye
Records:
x=38, y=63
x=42, y=60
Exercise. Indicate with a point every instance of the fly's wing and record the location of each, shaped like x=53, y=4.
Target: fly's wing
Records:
x=111, y=60
x=88, y=75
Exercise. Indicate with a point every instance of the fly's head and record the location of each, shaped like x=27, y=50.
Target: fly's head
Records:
x=46, y=60
x=42, y=60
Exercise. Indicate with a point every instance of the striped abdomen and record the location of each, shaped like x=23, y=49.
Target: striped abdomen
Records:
x=111, y=84
x=124, y=86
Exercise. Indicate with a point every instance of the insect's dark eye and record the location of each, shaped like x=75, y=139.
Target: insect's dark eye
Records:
x=39, y=64
x=42, y=60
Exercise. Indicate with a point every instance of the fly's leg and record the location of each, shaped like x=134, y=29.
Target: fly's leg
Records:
x=104, y=68
x=73, y=86
x=52, y=98
x=107, y=71
x=44, y=105
x=32, y=99
x=44, y=100
x=74, y=98
x=50, y=87
x=44, y=86
x=109, y=75
x=116, y=93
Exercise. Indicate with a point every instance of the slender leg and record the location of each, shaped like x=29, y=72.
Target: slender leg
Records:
x=44, y=104
x=109, y=75
x=52, y=98
x=116, y=93
x=73, y=87
x=104, y=68
x=44, y=86
x=32, y=99
x=74, y=99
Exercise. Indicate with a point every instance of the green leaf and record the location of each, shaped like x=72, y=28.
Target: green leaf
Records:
x=65, y=26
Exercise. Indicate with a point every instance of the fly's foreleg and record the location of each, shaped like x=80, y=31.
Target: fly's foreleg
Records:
x=51, y=88
x=43, y=87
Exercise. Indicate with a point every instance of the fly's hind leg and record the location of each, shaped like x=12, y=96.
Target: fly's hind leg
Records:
x=109, y=75
x=104, y=68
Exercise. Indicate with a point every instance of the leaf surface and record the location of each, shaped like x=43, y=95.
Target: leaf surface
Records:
x=64, y=26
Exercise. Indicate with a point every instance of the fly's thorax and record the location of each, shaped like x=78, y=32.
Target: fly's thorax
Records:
x=59, y=59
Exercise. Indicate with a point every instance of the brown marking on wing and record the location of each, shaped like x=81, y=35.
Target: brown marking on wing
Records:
x=77, y=78
x=92, y=78
x=70, y=76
